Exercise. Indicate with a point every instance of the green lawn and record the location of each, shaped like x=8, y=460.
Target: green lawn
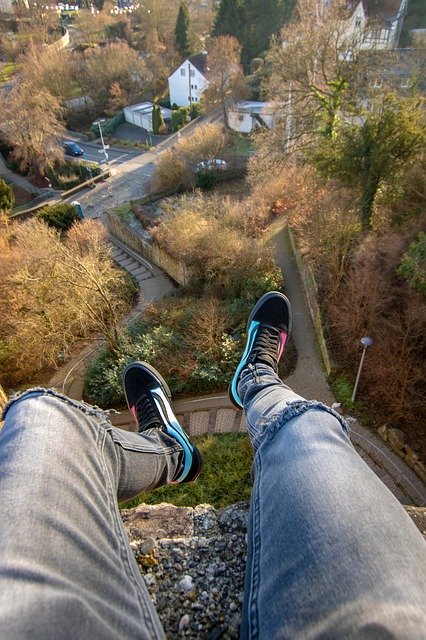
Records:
x=225, y=478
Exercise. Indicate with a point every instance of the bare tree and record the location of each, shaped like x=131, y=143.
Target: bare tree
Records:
x=55, y=294
x=316, y=74
x=30, y=122
x=224, y=73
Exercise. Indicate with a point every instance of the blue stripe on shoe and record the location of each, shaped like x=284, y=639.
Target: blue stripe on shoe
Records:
x=251, y=336
x=174, y=430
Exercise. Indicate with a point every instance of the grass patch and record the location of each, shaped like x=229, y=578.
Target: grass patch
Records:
x=7, y=72
x=131, y=144
x=342, y=390
x=241, y=144
x=225, y=478
x=124, y=211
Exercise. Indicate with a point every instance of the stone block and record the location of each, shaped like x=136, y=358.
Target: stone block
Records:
x=383, y=432
x=396, y=439
x=420, y=469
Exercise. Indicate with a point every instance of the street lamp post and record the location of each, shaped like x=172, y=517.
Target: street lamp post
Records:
x=104, y=146
x=366, y=342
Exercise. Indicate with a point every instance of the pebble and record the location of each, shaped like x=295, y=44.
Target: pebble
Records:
x=184, y=621
x=186, y=584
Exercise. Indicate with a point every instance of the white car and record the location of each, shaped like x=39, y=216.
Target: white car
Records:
x=212, y=165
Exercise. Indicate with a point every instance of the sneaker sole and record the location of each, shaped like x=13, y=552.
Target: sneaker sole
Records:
x=232, y=388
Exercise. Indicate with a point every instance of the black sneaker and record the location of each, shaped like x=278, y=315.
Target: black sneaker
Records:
x=268, y=329
x=148, y=398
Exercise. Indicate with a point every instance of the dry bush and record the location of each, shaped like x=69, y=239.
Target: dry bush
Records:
x=207, y=234
x=171, y=173
x=54, y=294
x=321, y=213
x=374, y=301
x=205, y=143
x=206, y=329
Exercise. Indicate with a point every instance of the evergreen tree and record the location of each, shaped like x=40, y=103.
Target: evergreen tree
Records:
x=155, y=124
x=262, y=19
x=157, y=119
x=182, y=30
x=7, y=199
x=229, y=19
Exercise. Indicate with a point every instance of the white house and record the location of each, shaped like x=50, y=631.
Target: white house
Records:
x=247, y=115
x=376, y=24
x=141, y=115
x=188, y=81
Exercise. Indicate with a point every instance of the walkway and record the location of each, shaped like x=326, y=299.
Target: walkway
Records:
x=10, y=176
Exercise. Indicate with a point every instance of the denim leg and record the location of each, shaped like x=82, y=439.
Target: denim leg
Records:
x=66, y=567
x=331, y=552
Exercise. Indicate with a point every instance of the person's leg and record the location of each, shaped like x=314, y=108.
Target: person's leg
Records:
x=331, y=552
x=66, y=567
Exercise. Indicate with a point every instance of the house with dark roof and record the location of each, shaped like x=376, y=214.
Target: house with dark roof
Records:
x=378, y=23
x=188, y=81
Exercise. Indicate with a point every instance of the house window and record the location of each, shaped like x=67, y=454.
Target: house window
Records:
x=195, y=86
x=195, y=99
x=189, y=99
x=182, y=72
x=192, y=73
x=358, y=22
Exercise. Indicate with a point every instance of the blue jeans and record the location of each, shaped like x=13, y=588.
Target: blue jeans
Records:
x=331, y=553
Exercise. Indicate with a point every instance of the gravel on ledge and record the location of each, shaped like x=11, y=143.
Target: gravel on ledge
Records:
x=193, y=562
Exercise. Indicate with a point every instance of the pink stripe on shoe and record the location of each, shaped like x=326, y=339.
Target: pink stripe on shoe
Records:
x=283, y=340
x=133, y=412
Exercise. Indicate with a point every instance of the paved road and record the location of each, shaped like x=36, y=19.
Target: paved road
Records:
x=93, y=152
x=130, y=175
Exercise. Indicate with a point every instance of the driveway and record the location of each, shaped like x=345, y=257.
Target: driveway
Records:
x=127, y=131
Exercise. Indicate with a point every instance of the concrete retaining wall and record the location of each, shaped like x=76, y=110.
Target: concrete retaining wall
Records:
x=177, y=270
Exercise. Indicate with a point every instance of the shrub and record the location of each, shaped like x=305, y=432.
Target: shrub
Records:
x=195, y=110
x=188, y=339
x=171, y=174
x=206, y=179
x=205, y=143
x=223, y=260
x=59, y=216
x=413, y=264
x=372, y=301
x=109, y=125
x=7, y=199
x=69, y=174
x=56, y=293
x=179, y=117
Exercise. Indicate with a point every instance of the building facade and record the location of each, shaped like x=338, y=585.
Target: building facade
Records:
x=188, y=81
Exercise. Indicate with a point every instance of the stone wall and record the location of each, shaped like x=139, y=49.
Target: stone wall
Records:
x=151, y=251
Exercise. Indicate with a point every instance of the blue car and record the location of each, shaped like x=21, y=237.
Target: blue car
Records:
x=72, y=149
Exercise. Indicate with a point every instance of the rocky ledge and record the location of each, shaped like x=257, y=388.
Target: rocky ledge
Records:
x=193, y=564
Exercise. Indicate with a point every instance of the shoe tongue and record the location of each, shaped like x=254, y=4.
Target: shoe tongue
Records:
x=145, y=415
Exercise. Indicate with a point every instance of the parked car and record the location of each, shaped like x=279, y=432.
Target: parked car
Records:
x=217, y=164
x=72, y=149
